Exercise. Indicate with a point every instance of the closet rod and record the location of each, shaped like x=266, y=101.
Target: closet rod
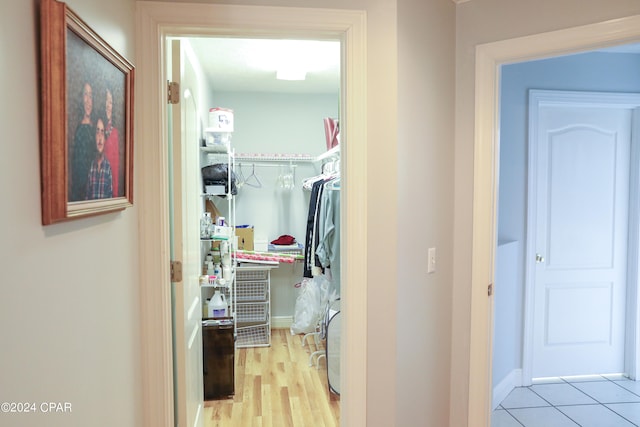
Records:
x=266, y=165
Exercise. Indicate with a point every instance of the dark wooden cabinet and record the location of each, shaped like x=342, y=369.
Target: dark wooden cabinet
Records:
x=218, y=358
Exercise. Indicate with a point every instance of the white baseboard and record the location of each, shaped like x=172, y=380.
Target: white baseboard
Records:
x=501, y=390
x=281, y=322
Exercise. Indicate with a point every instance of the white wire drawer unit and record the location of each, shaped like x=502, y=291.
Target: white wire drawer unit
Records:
x=253, y=305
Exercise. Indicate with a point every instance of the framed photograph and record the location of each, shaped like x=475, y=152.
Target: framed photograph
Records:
x=86, y=119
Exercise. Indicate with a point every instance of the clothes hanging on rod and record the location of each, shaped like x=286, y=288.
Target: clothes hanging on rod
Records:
x=322, y=239
x=330, y=170
x=334, y=184
x=311, y=237
x=328, y=249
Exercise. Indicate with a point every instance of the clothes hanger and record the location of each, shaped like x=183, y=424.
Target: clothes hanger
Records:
x=240, y=179
x=256, y=181
x=279, y=179
x=329, y=169
x=334, y=184
x=307, y=183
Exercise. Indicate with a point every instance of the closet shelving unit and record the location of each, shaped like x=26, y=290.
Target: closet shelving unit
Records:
x=253, y=305
x=212, y=154
x=253, y=281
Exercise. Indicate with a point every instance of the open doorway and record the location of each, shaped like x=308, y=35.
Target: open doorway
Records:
x=489, y=59
x=158, y=21
x=517, y=80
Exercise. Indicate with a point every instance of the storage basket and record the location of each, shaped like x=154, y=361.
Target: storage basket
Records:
x=242, y=275
x=252, y=312
x=253, y=336
x=251, y=291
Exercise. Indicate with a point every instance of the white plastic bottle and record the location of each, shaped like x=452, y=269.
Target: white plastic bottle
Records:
x=226, y=266
x=205, y=308
x=217, y=305
x=226, y=272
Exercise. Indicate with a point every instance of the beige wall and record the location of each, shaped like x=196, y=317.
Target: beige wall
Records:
x=426, y=41
x=477, y=22
x=68, y=293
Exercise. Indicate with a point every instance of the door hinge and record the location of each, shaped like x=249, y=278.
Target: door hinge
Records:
x=490, y=289
x=173, y=92
x=176, y=271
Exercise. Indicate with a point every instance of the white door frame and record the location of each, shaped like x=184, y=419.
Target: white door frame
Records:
x=489, y=58
x=537, y=98
x=157, y=20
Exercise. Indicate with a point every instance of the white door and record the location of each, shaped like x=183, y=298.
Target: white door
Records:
x=582, y=193
x=185, y=202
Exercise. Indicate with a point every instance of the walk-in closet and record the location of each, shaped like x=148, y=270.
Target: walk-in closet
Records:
x=270, y=126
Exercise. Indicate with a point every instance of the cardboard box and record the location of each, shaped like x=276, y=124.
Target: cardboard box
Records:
x=245, y=238
x=213, y=210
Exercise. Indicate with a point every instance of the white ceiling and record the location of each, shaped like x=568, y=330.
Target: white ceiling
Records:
x=233, y=64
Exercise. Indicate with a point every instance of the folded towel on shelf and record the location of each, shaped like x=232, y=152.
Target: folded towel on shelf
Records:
x=278, y=248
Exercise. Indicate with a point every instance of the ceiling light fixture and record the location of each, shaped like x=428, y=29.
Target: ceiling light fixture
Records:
x=293, y=59
x=291, y=74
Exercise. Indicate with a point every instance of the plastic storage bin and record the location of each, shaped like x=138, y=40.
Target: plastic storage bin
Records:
x=252, y=312
x=254, y=336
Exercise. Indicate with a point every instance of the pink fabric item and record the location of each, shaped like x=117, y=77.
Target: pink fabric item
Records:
x=262, y=257
x=331, y=131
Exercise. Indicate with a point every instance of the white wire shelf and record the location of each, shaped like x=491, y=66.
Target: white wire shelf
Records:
x=334, y=152
x=267, y=157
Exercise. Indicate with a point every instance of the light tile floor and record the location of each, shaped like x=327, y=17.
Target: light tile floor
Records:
x=594, y=401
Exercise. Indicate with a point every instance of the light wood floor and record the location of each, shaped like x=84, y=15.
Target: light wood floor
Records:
x=276, y=387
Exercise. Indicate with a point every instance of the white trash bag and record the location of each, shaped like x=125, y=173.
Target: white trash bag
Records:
x=309, y=306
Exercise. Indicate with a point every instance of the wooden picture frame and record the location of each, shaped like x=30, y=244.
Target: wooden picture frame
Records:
x=86, y=119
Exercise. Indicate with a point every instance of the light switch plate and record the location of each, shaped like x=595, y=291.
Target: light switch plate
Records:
x=431, y=260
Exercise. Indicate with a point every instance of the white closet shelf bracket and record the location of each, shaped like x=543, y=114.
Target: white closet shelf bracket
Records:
x=334, y=152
